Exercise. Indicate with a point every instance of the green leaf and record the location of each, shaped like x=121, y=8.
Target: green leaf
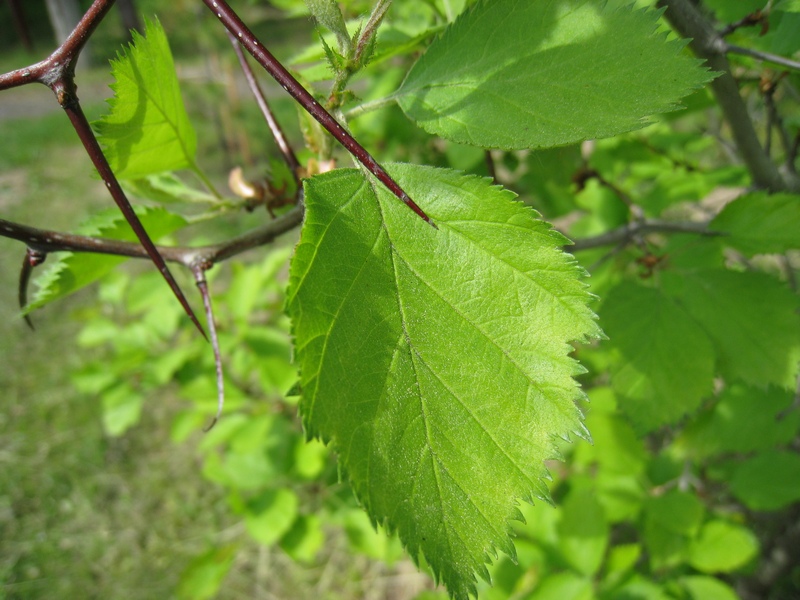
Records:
x=761, y=223
x=788, y=6
x=583, y=531
x=665, y=361
x=722, y=547
x=743, y=420
x=752, y=320
x=204, y=576
x=532, y=74
x=768, y=481
x=707, y=588
x=670, y=522
x=122, y=408
x=436, y=360
x=271, y=515
x=564, y=585
x=147, y=130
x=70, y=272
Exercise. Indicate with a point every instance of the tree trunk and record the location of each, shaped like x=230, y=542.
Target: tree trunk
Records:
x=64, y=15
x=20, y=25
x=129, y=16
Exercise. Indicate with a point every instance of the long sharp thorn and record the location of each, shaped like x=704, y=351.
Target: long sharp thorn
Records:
x=202, y=285
x=73, y=109
x=234, y=24
x=32, y=259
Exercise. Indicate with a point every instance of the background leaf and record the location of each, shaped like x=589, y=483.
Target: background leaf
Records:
x=761, y=223
x=546, y=74
x=666, y=360
x=760, y=351
x=147, y=130
x=768, y=481
x=722, y=547
x=440, y=388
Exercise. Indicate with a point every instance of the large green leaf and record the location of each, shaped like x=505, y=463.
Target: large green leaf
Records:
x=665, y=361
x=70, y=272
x=537, y=73
x=436, y=360
x=147, y=130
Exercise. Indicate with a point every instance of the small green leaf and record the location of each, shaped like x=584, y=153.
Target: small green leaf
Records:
x=122, y=408
x=564, y=585
x=271, y=515
x=768, y=481
x=304, y=540
x=722, y=547
x=203, y=577
x=436, y=360
x=328, y=14
x=69, y=272
x=147, y=130
x=707, y=588
x=666, y=361
x=761, y=223
x=532, y=74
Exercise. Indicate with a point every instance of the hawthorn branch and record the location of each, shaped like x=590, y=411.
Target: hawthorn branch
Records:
x=46, y=241
x=627, y=233
x=58, y=73
x=764, y=56
x=234, y=25
x=709, y=45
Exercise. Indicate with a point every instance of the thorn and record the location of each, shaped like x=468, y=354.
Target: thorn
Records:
x=202, y=285
x=33, y=258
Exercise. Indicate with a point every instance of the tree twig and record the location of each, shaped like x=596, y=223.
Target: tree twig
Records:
x=277, y=132
x=626, y=233
x=58, y=73
x=708, y=44
x=765, y=56
x=46, y=241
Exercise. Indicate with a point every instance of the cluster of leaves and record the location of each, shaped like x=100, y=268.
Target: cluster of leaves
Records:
x=435, y=362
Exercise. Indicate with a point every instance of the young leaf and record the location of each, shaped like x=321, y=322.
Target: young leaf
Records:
x=722, y=547
x=436, y=360
x=532, y=74
x=761, y=223
x=72, y=271
x=147, y=130
x=666, y=360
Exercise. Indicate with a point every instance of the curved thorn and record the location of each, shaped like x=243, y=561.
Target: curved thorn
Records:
x=33, y=258
x=69, y=102
x=202, y=285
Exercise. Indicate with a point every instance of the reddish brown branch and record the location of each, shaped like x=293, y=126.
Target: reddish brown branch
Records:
x=58, y=73
x=234, y=25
